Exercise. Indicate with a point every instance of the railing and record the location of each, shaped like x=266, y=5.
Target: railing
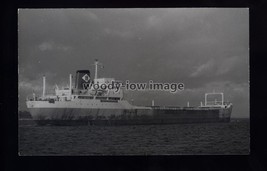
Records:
x=215, y=102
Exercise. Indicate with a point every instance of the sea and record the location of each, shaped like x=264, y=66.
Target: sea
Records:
x=231, y=138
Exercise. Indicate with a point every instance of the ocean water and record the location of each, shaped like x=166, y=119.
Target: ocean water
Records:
x=180, y=139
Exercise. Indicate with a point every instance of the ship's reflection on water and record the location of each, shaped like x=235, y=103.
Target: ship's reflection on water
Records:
x=212, y=138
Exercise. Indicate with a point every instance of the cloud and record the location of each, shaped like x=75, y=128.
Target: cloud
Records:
x=217, y=67
x=203, y=68
x=117, y=33
x=226, y=65
x=230, y=89
x=154, y=21
x=36, y=82
x=45, y=46
x=23, y=85
x=34, y=85
x=49, y=46
x=91, y=15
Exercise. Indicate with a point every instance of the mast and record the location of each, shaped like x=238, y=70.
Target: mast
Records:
x=222, y=98
x=96, y=64
x=70, y=83
x=44, y=86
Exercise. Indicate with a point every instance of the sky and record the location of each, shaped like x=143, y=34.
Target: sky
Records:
x=207, y=49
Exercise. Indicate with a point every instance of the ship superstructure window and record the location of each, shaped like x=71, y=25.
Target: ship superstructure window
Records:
x=101, y=98
x=104, y=100
x=114, y=98
x=51, y=101
x=85, y=97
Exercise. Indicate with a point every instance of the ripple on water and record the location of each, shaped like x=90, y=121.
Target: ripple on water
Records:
x=221, y=138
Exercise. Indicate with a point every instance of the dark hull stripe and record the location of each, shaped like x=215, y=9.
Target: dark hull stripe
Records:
x=130, y=121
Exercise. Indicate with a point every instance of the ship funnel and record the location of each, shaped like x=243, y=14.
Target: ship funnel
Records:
x=82, y=79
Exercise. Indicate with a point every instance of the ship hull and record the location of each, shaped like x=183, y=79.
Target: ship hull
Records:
x=78, y=116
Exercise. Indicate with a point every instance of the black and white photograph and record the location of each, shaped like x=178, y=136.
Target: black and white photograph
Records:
x=133, y=81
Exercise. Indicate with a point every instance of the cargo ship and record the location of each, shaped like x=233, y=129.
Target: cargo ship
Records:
x=82, y=104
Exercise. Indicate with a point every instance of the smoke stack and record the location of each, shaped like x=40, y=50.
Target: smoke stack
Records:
x=82, y=79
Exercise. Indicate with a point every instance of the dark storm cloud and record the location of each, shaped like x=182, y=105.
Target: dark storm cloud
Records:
x=196, y=46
